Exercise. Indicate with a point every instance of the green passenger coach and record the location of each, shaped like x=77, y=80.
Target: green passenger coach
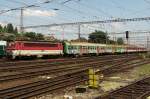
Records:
x=82, y=48
x=2, y=48
x=78, y=48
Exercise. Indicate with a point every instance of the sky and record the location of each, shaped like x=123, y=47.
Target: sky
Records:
x=60, y=11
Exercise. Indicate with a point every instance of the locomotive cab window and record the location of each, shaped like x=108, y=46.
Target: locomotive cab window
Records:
x=40, y=45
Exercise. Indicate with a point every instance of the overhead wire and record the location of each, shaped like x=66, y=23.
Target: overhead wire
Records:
x=18, y=2
x=147, y=1
x=98, y=10
x=95, y=9
x=73, y=9
x=27, y=6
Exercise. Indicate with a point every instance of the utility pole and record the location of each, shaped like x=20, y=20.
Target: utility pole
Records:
x=148, y=42
x=106, y=38
x=79, y=32
x=21, y=20
x=127, y=39
x=63, y=33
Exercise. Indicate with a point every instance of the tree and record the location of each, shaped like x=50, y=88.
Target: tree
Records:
x=5, y=29
x=120, y=41
x=111, y=42
x=33, y=36
x=16, y=30
x=30, y=35
x=39, y=36
x=82, y=39
x=98, y=37
x=1, y=28
x=10, y=28
x=10, y=38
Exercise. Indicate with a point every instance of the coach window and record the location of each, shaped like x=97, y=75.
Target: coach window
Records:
x=94, y=47
x=74, y=47
x=91, y=47
x=69, y=47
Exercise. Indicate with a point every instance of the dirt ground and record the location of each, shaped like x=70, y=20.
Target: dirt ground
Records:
x=109, y=83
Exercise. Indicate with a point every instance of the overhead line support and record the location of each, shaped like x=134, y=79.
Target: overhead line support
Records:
x=92, y=22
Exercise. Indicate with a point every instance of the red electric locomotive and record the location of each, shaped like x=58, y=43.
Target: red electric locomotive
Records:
x=38, y=49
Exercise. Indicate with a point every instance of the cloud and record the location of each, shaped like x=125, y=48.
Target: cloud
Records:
x=117, y=26
x=3, y=23
x=42, y=13
x=29, y=30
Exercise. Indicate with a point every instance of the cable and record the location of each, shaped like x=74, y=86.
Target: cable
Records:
x=27, y=6
x=147, y=1
x=119, y=6
x=18, y=2
x=66, y=1
x=98, y=10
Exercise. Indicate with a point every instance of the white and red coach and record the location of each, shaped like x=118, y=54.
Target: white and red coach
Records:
x=38, y=49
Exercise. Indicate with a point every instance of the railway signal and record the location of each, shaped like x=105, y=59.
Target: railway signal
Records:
x=127, y=34
x=93, y=79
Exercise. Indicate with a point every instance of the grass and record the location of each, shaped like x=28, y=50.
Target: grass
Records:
x=143, y=70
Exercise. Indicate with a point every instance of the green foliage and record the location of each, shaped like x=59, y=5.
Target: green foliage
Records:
x=111, y=42
x=120, y=41
x=30, y=35
x=10, y=38
x=16, y=30
x=39, y=36
x=5, y=29
x=33, y=36
x=102, y=37
x=7, y=37
x=98, y=37
x=10, y=28
x=9, y=33
x=82, y=39
x=1, y=28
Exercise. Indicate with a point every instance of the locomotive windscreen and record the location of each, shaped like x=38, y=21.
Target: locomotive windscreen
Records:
x=40, y=45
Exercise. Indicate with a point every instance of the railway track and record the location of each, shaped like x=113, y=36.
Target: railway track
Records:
x=137, y=90
x=19, y=63
x=49, y=85
x=48, y=64
x=123, y=67
x=55, y=69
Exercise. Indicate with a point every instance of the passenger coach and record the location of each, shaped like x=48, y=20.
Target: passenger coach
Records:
x=82, y=48
x=2, y=48
x=78, y=48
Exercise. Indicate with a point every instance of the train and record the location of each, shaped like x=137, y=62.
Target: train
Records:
x=3, y=45
x=41, y=49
